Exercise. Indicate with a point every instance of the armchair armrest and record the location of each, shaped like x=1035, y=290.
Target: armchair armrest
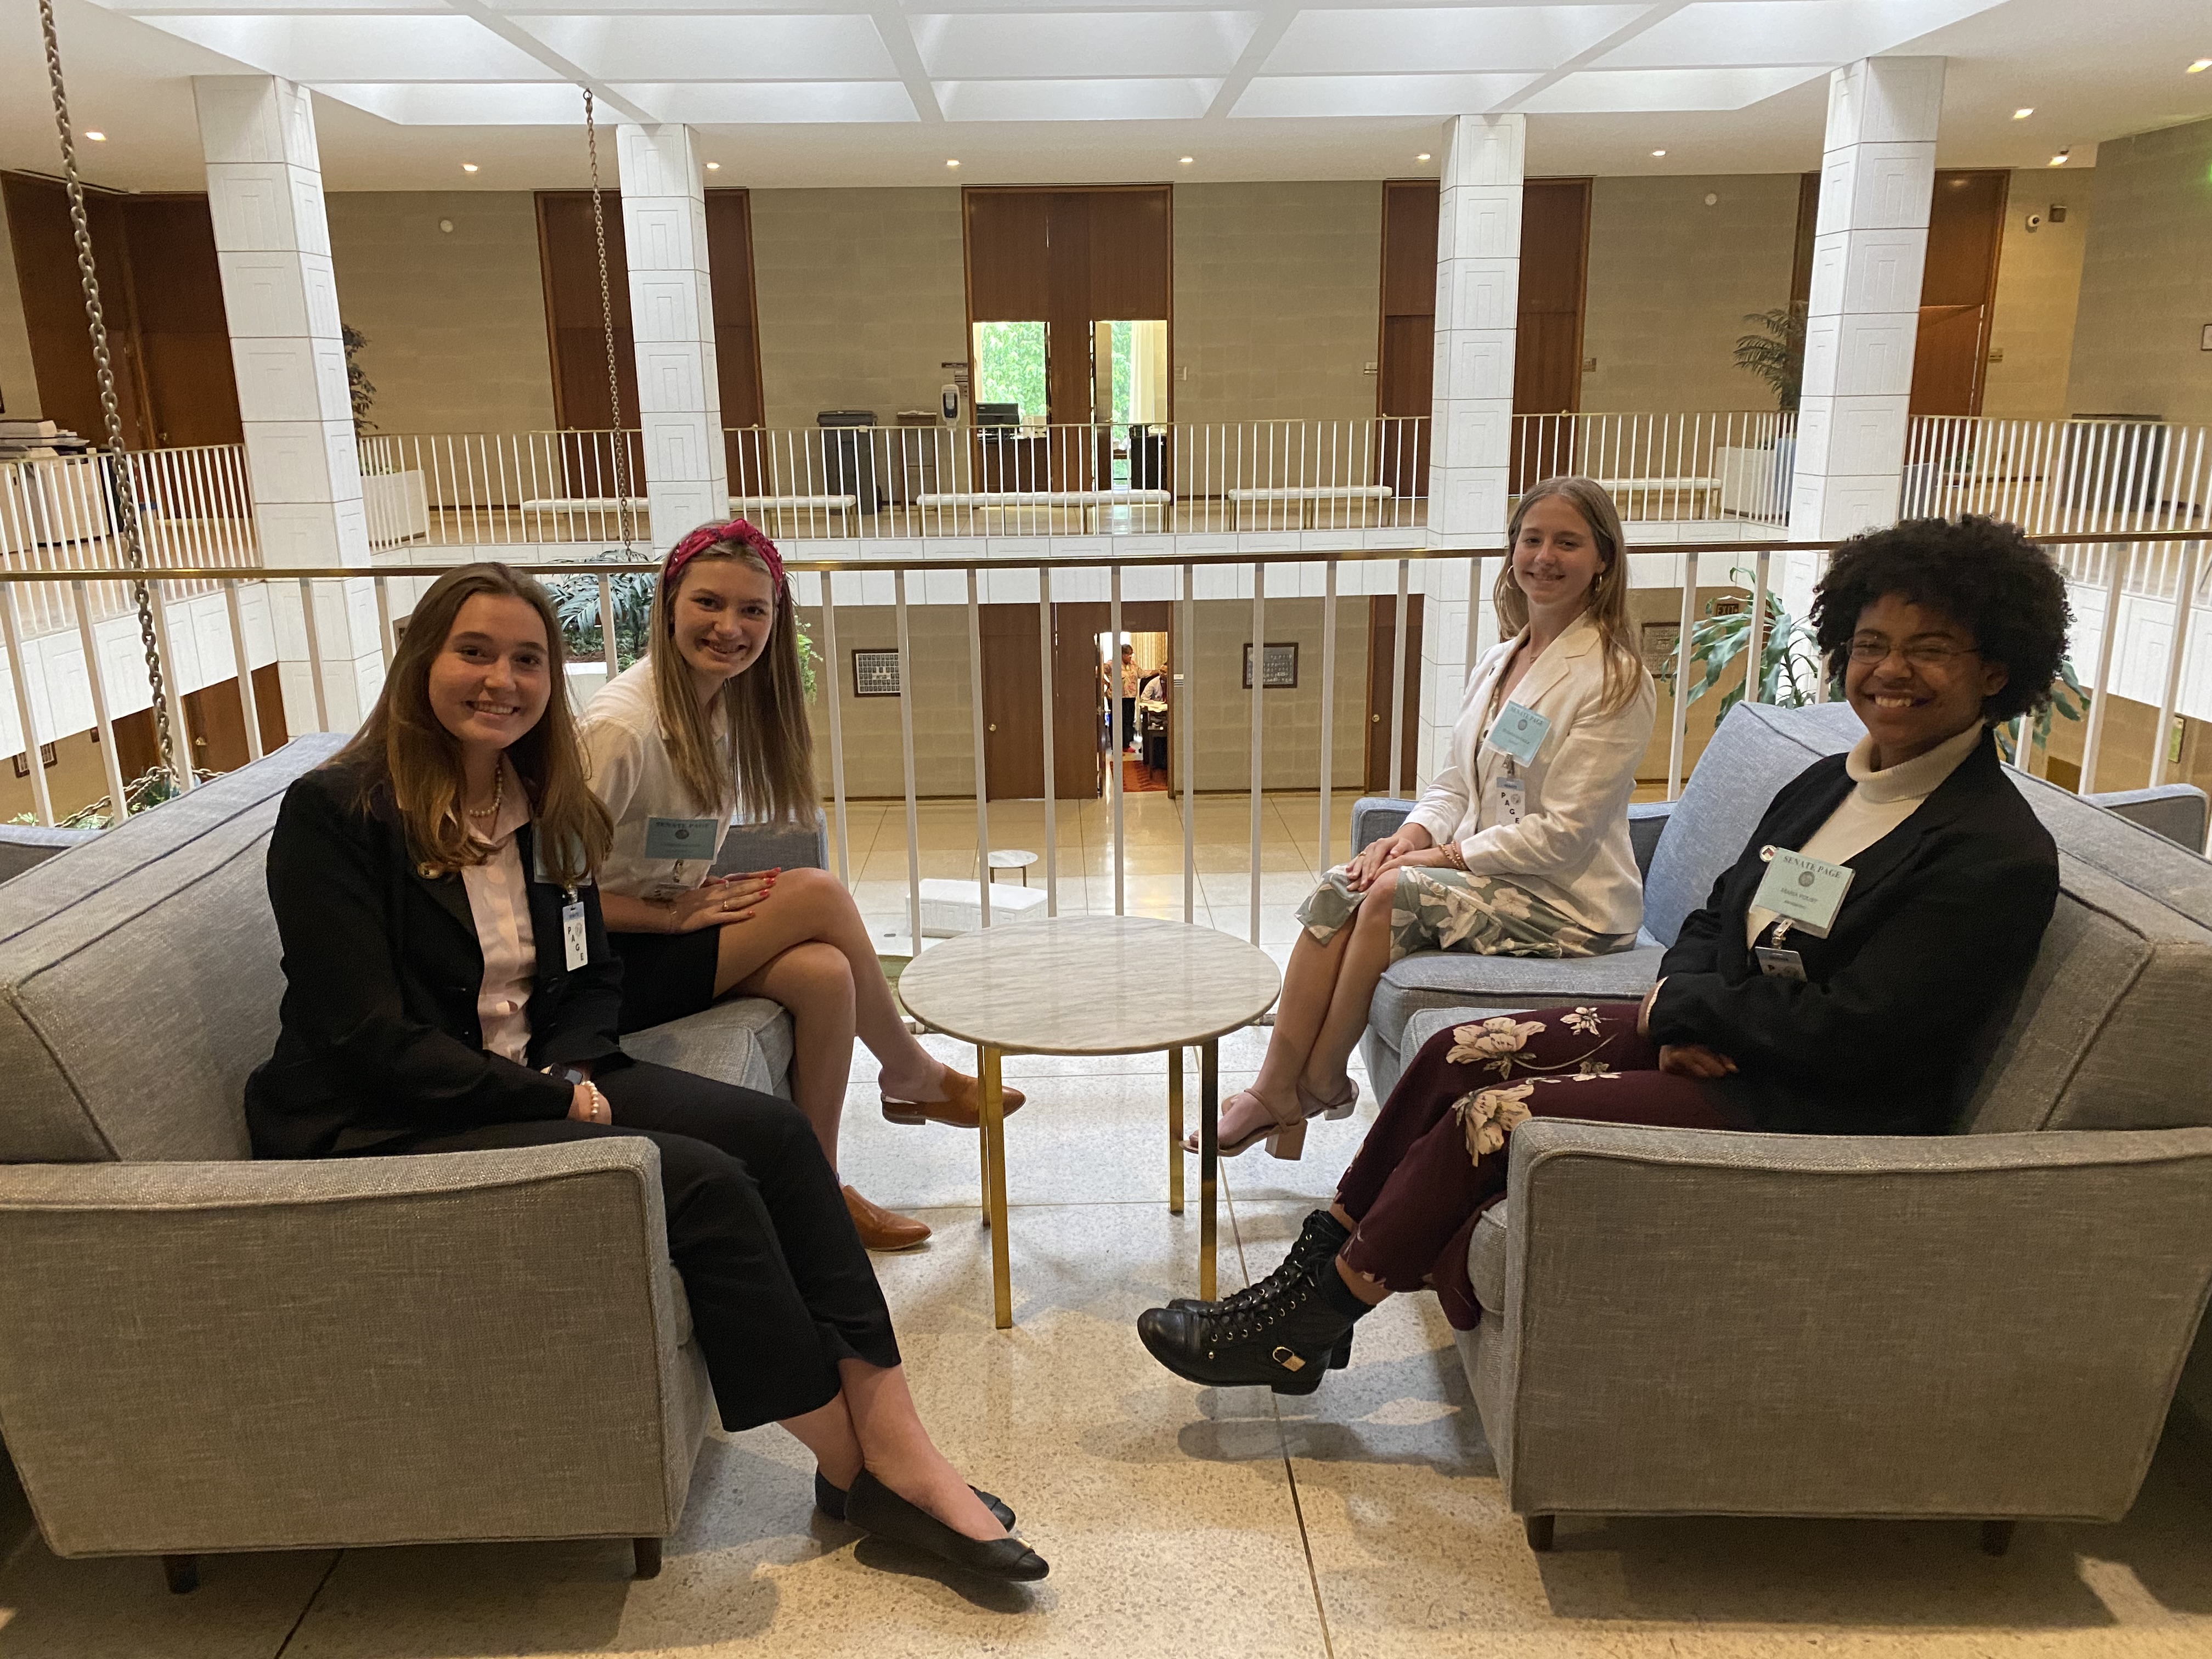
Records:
x=1647, y=822
x=1974, y=1325
x=1374, y=817
x=205, y=1357
x=2175, y=810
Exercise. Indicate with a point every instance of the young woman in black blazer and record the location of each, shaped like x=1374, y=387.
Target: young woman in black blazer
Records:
x=449, y=988
x=1857, y=1024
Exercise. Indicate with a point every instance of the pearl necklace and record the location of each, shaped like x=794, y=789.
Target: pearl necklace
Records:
x=498, y=794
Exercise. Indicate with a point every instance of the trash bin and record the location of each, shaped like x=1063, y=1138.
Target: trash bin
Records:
x=848, y=455
x=1148, y=458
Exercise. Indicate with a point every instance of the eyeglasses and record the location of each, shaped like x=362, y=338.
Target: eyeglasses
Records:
x=1919, y=654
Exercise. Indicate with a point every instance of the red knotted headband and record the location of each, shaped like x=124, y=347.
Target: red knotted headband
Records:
x=710, y=535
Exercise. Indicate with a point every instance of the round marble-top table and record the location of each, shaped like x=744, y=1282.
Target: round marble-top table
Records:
x=1012, y=857
x=1094, y=985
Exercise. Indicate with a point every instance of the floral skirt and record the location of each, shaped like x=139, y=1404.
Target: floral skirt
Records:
x=1436, y=1157
x=1439, y=909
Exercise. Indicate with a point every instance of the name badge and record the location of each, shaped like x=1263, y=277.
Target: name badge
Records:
x=1778, y=964
x=1512, y=799
x=574, y=939
x=1809, y=892
x=1518, y=732
x=680, y=838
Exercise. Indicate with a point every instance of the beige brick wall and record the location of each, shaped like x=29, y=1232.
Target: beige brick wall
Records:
x=2038, y=287
x=862, y=296
x=2147, y=280
x=455, y=320
x=1671, y=280
x=1278, y=291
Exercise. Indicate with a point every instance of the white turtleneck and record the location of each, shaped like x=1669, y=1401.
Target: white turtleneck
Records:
x=1882, y=801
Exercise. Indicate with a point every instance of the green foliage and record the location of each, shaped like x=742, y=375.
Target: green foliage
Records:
x=1789, y=656
x=359, y=388
x=1777, y=352
x=1010, y=360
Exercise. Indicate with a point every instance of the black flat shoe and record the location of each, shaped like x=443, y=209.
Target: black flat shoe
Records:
x=1284, y=1340
x=830, y=1500
x=882, y=1513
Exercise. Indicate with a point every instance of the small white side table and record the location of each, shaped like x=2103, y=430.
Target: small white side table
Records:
x=1012, y=857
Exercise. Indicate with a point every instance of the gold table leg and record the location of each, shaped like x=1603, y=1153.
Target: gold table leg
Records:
x=995, y=1190
x=1174, y=1132
x=983, y=1142
x=1209, y=1161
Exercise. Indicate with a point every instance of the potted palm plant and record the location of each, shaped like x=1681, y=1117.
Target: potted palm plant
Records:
x=393, y=499
x=1755, y=480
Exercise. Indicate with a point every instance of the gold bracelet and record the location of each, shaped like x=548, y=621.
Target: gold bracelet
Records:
x=1456, y=859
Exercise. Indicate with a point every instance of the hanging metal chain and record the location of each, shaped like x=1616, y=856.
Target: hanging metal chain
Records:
x=124, y=494
x=607, y=317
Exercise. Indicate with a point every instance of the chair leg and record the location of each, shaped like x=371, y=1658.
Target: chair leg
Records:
x=1997, y=1536
x=647, y=1550
x=1539, y=1529
x=183, y=1573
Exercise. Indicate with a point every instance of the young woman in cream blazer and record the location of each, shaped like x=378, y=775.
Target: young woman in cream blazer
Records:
x=1508, y=853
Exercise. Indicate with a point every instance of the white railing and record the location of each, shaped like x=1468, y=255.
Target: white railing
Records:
x=195, y=510
x=499, y=489
x=2053, y=477
x=912, y=483
x=1732, y=463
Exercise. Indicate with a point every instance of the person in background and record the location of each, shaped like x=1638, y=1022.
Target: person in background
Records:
x=1884, y=912
x=1520, y=848
x=1132, y=677
x=449, y=988
x=711, y=723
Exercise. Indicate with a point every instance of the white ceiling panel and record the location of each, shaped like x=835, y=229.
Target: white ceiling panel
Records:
x=1471, y=39
x=456, y=104
x=1592, y=92
x=390, y=47
x=831, y=48
x=775, y=102
x=1715, y=33
x=1011, y=45
x=1377, y=94
x=1076, y=100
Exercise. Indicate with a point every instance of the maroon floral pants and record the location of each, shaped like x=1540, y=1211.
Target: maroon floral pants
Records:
x=1436, y=1157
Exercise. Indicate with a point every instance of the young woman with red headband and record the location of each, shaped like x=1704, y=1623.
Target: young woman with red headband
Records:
x=711, y=724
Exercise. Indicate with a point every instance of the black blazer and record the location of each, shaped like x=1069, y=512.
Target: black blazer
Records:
x=380, y=1037
x=1940, y=927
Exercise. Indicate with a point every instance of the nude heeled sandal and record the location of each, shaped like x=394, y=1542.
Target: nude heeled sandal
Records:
x=1286, y=1141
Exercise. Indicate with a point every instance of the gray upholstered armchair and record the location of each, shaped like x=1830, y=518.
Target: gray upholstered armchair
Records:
x=200, y=1352
x=1988, y=1325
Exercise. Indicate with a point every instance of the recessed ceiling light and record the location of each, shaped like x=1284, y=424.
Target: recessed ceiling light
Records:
x=2022, y=114
x=97, y=137
x=1187, y=159
x=2059, y=160
x=1423, y=156
x=2199, y=66
x=468, y=166
x=1658, y=152
x=951, y=164
x=714, y=166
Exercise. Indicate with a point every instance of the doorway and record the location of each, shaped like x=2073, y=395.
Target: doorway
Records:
x=1381, y=649
x=1138, y=684
x=1958, y=291
x=1013, y=714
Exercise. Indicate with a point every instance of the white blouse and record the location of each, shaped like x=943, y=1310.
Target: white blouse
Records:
x=499, y=903
x=635, y=777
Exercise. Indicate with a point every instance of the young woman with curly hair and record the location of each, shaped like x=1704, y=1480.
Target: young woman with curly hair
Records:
x=1921, y=880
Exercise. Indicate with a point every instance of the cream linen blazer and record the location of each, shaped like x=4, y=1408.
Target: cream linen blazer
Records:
x=1571, y=847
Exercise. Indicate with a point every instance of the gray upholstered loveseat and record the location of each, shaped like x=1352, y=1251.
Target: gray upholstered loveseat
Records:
x=1987, y=1325
x=199, y=1352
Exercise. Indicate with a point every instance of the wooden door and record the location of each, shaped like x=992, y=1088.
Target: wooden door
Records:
x=1958, y=291
x=1406, y=357
x=184, y=335
x=736, y=337
x=575, y=328
x=1547, y=341
x=1013, y=712
x=54, y=307
x=1382, y=647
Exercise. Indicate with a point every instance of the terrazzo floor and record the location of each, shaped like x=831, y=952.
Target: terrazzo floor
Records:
x=1362, y=1522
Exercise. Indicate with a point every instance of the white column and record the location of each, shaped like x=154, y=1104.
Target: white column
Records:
x=1877, y=173
x=1478, y=291
x=273, y=249
x=1471, y=411
x=671, y=310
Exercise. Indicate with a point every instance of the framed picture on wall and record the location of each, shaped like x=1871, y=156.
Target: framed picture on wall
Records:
x=1279, y=669
x=46, y=757
x=1656, y=641
x=875, y=673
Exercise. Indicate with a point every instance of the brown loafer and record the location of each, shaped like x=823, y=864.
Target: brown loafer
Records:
x=962, y=1106
x=880, y=1229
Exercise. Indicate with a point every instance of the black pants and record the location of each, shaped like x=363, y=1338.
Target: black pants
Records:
x=780, y=1287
